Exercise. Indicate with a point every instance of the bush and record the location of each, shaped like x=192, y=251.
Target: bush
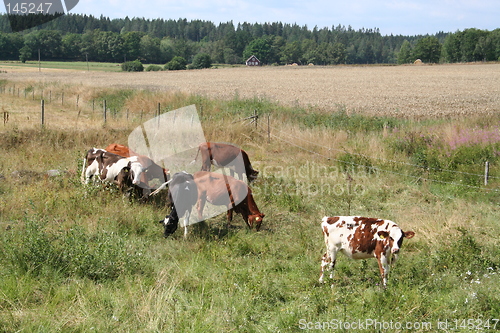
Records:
x=177, y=63
x=132, y=66
x=201, y=60
x=153, y=68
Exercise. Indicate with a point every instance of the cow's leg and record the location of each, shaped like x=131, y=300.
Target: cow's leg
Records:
x=186, y=222
x=383, y=265
x=229, y=216
x=327, y=263
x=200, y=204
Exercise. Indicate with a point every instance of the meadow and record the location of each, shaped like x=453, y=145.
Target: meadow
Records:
x=82, y=258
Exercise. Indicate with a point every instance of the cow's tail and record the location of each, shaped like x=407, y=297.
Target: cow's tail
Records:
x=162, y=186
x=194, y=161
x=82, y=177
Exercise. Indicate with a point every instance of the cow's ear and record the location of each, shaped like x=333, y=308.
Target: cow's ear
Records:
x=383, y=234
x=409, y=234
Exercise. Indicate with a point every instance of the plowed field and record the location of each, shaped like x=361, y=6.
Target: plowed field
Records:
x=407, y=91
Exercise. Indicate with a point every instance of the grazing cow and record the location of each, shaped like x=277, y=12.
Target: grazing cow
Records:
x=111, y=168
x=361, y=238
x=151, y=169
x=90, y=165
x=221, y=190
x=182, y=196
x=226, y=155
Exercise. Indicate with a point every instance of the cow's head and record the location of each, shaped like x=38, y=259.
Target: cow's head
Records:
x=252, y=175
x=255, y=219
x=393, y=239
x=169, y=225
x=136, y=170
x=123, y=178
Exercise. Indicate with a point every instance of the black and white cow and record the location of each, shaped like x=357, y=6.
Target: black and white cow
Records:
x=182, y=195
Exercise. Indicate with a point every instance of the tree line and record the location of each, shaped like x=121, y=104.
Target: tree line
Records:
x=76, y=37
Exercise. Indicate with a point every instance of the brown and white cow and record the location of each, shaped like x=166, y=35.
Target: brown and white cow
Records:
x=151, y=169
x=222, y=190
x=111, y=168
x=226, y=155
x=361, y=238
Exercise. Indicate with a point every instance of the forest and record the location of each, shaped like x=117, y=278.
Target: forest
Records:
x=76, y=37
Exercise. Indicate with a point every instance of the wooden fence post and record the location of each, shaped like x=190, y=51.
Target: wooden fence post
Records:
x=486, y=172
x=268, y=128
x=43, y=111
x=104, y=106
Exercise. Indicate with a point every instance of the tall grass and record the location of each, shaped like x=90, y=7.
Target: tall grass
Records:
x=81, y=258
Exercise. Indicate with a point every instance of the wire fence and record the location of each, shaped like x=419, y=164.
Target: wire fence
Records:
x=48, y=106
x=291, y=140
x=99, y=109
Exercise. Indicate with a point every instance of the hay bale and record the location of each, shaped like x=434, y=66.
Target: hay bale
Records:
x=418, y=62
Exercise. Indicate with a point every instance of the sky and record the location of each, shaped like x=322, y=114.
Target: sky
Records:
x=397, y=17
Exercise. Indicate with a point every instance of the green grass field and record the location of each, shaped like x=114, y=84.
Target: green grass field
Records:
x=79, y=258
x=70, y=65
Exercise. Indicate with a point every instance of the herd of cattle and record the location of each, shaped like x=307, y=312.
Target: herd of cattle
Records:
x=357, y=237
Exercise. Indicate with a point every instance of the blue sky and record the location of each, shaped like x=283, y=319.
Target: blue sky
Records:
x=406, y=17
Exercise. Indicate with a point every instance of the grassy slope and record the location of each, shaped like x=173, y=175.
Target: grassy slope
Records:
x=81, y=258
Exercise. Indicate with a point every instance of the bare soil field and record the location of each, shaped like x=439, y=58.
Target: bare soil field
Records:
x=405, y=91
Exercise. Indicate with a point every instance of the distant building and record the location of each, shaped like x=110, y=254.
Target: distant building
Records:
x=253, y=61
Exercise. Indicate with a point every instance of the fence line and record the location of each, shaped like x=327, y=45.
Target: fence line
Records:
x=378, y=168
x=254, y=119
x=392, y=161
x=48, y=98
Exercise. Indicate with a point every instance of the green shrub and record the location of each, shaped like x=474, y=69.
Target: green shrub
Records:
x=177, y=63
x=153, y=68
x=201, y=60
x=132, y=66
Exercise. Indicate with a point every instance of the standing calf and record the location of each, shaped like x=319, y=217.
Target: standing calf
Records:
x=361, y=238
